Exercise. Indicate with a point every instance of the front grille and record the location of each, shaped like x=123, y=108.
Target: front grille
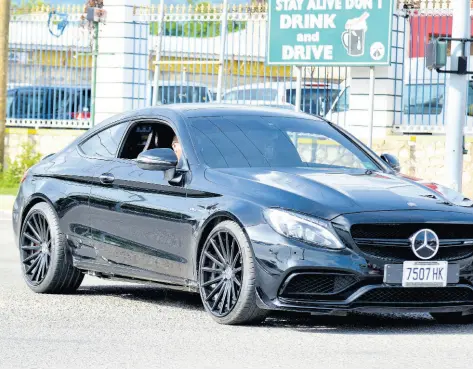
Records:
x=405, y=231
x=417, y=296
x=391, y=242
x=309, y=284
x=400, y=254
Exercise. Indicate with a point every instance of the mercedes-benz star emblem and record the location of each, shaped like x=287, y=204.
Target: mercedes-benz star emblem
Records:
x=425, y=244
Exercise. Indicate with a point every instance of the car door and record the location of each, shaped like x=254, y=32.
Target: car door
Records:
x=137, y=221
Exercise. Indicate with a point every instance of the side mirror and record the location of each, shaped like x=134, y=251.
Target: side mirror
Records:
x=159, y=159
x=392, y=161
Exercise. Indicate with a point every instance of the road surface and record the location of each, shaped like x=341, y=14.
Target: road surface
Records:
x=120, y=325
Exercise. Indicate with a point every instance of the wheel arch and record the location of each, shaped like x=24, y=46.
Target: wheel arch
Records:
x=32, y=201
x=208, y=226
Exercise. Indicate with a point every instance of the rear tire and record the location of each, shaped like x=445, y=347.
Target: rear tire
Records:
x=227, y=277
x=45, y=263
x=452, y=318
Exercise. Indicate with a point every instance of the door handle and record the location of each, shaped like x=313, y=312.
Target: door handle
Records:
x=106, y=178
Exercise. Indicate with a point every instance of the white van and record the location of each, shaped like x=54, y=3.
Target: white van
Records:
x=316, y=98
x=171, y=92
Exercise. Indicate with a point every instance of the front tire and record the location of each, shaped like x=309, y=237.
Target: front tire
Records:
x=45, y=265
x=227, y=276
x=452, y=318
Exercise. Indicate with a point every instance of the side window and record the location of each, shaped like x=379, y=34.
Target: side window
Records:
x=145, y=136
x=105, y=143
x=30, y=104
x=423, y=98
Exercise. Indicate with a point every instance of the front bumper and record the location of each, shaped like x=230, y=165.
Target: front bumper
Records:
x=347, y=281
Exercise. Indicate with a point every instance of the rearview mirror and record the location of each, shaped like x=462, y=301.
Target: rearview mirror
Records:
x=392, y=161
x=160, y=159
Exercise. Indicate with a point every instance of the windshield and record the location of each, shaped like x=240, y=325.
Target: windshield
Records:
x=182, y=94
x=267, y=95
x=254, y=141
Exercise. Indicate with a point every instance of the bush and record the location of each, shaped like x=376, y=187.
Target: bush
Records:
x=14, y=171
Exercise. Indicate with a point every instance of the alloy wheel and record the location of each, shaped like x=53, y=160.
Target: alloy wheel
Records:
x=35, y=248
x=221, y=273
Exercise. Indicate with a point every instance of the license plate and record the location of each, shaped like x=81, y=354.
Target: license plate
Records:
x=424, y=274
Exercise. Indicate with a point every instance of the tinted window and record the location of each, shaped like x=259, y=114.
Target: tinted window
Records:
x=314, y=100
x=424, y=98
x=69, y=103
x=105, y=143
x=29, y=104
x=255, y=141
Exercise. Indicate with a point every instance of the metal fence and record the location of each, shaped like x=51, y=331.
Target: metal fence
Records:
x=49, y=68
x=189, y=46
x=423, y=94
x=192, y=58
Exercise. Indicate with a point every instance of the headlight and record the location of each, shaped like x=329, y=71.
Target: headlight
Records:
x=307, y=229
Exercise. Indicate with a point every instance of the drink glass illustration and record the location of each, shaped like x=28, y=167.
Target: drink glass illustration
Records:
x=353, y=38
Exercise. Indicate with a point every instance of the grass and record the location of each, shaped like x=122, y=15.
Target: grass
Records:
x=8, y=191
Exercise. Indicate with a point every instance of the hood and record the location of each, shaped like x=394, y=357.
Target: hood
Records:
x=328, y=194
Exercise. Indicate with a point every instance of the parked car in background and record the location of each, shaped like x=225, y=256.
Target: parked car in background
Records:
x=423, y=104
x=173, y=92
x=316, y=98
x=48, y=102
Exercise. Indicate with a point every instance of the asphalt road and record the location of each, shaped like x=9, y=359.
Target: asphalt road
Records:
x=120, y=325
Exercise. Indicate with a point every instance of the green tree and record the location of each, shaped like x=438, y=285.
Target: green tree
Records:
x=26, y=6
x=15, y=169
x=197, y=28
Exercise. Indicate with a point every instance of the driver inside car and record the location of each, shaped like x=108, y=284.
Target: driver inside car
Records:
x=176, y=146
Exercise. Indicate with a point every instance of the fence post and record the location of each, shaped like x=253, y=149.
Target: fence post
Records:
x=159, y=43
x=298, y=88
x=4, y=28
x=95, y=53
x=221, y=59
x=456, y=97
x=371, y=108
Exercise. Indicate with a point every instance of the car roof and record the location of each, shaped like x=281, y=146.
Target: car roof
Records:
x=176, y=112
x=211, y=109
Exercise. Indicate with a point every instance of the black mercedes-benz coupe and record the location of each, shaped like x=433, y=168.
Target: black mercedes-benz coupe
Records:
x=256, y=209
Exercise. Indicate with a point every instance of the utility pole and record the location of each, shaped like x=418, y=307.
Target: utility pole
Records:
x=457, y=97
x=4, y=29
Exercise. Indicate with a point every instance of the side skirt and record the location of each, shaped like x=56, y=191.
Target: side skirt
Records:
x=113, y=271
